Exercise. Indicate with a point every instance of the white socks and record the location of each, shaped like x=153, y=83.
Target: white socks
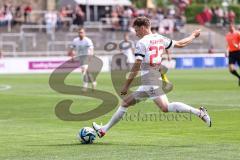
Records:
x=181, y=107
x=172, y=107
x=115, y=118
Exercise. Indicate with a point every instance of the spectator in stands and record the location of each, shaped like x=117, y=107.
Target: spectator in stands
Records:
x=181, y=5
x=134, y=10
x=18, y=17
x=214, y=16
x=127, y=48
x=225, y=18
x=8, y=16
x=63, y=14
x=171, y=12
x=166, y=26
x=160, y=14
x=231, y=16
x=50, y=19
x=69, y=11
x=114, y=20
x=180, y=20
x=141, y=12
x=156, y=19
x=207, y=15
x=127, y=14
x=7, y=6
x=2, y=17
x=27, y=12
x=79, y=16
x=220, y=16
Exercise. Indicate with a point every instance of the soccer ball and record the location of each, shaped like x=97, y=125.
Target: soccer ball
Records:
x=86, y=135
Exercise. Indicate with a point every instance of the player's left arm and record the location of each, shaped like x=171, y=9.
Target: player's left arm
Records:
x=90, y=51
x=238, y=40
x=188, y=40
x=139, y=55
x=132, y=75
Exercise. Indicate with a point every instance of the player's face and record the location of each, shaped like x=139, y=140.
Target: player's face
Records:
x=140, y=31
x=81, y=33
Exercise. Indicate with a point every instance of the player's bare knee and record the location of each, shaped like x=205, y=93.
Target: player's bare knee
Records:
x=231, y=67
x=164, y=109
x=126, y=103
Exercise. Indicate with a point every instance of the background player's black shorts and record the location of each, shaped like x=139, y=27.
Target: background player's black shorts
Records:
x=234, y=57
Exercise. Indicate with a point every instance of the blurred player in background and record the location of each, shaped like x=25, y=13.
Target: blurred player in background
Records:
x=83, y=48
x=149, y=50
x=233, y=50
x=127, y=48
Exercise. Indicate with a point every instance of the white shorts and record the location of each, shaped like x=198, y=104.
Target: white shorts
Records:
x=148, y=91
x=85, y=66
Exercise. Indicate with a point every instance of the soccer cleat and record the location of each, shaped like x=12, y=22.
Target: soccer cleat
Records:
x=164, y=78
x=98, y=129
x=167, y=86
x=84, y=89
x=204, y=116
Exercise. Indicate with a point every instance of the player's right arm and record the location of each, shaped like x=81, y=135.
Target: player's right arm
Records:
x=227, y=51
x=188, y=40
x=71, y=50
x=132, y=75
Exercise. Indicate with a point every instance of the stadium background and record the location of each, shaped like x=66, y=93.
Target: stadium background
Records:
x=30, y=44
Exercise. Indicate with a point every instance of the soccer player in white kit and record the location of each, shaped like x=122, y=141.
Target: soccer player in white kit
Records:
x=84, y=48
x=148, y=57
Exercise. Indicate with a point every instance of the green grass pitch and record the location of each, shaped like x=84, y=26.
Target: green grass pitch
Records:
x=29, y=129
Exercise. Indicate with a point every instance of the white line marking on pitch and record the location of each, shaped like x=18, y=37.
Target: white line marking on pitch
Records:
x=4, y=87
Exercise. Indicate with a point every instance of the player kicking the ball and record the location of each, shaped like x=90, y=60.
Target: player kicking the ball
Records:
x=148, y=53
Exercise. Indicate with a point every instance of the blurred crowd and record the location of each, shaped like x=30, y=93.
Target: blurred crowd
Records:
x=121, y=17
x=164, y=20
x=14, y=14
x=216, y=15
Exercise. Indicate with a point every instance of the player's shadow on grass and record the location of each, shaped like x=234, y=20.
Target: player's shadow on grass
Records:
x=147, y=145
x=112, y=144
x=94, y=144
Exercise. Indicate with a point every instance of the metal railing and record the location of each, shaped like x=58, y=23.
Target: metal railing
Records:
x=13, y=45
x=52, y=45
x=22, y=38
